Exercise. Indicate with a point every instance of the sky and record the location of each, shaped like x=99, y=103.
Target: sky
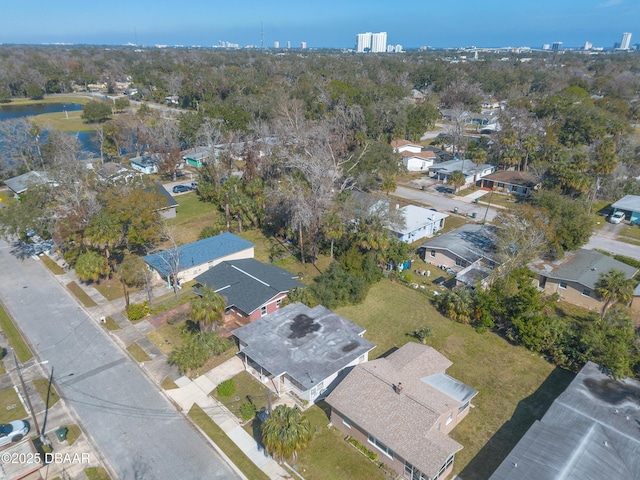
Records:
x=322, y=23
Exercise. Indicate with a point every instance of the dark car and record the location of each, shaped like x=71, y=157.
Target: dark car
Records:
x=181, y=189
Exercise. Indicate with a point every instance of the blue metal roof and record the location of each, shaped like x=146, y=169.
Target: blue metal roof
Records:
x=198, y=253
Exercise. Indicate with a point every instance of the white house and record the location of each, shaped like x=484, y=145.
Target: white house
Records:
x=145, y=163
x=418, y=162
x=400, y=146
x=418, y=223
x=472, y=171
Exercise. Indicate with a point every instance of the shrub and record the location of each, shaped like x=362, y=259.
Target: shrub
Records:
x=628, y=260
x=195, y=352
x=227, y=388
x=137, y=311
x=248, y=410
x=370, y=455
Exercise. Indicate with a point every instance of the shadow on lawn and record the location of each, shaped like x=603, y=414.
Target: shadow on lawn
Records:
x=528, y=411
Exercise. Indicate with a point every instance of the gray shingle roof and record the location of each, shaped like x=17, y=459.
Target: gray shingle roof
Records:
x=582, y=266
x=404, y=422
x=248, y=284
x=630, y=203
x=309, y=344
x=590, y=432
x=470, y=242
x=198, y=253
x=21, y=183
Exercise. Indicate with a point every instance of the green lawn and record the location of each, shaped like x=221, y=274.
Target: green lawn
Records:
x=215, y=433
x=330, y=457
x=192, y=216
x=73, y=432
x=10, y=407
x=167, y=337
x=13, y=336
x=111, y=289
x=42, y=386
x=632, y=231
x=247, y=388
x=110, y=324
x=51, y=265
x=96, y=473
x=66, y=122
x=168, y=384
x=81, y=295
x=138, y=353
x=515, y=385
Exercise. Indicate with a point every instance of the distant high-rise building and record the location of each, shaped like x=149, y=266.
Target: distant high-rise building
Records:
x=626, y=41
x=379, y=42
x=399, y=48
x=276, y=44
x=546, y=46
x=588, y=45
x=288, y=44
x=556, y=46
x=303, y=45
x=363, y=42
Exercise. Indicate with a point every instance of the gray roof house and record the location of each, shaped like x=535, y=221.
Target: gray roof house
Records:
x=21, y=183
x=146, y=163
x=249, y=286
x=168, y=209
x=630, y=204
x=192, y=259
x=469, y=249
x=472, y=171
x=403, y=407
x=301, y=351
x=590, y=432
x=574, y=276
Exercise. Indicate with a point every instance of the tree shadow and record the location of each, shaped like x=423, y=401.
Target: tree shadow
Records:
x=526, y=413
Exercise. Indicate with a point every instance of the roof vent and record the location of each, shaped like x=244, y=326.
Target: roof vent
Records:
x=399, y=388
x=606, y=444
x=593, y=269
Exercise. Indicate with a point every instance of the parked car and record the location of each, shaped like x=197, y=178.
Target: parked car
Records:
x=181, y=189
x=617, y=217
x=13, y=432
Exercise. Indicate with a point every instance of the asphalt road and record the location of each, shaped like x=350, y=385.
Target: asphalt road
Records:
x=614, y=246
x=444, y=203
x=139, y=432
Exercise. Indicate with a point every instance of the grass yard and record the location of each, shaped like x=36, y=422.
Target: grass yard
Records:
x=10, y=407
x=51, y=265
x=13, y=336
x=247, y=389
x=451, y=223
x=167, y=337
x=168, y=384
x=515, y=385
x=82, y=100
x=192, y=216
x=81, y=295
x=42, y=386
x=499, y=199
x=111, y=288
x=73, y=432
x=329, y=456
x=96, y=473
x=138, y=353
x=64, y=121
x=111, y=325
x=215, y=433
x=631, y=231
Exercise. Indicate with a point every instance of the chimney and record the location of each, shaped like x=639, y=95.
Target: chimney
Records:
x=399, y=388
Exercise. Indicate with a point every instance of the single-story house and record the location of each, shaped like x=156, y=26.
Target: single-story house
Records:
x=511, y=182
x=418, y=223
x=190, y=260
x=574, y=276
x=418, y=162
x=590, y=432
x=472, y=171
x=630, y=205
x=441, y=155
x=403, y=407
x=114, y=172
x=252, y=289
x=301, y=351
x=21, y=183
x=469, y=250
x=401, y=145
x=199, y=156
x=169, y=204
x=145, y=163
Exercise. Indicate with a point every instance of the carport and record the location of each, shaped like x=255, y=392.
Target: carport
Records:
x=630, y=204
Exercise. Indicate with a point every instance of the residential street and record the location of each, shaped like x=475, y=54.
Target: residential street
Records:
x=445, y=203
x=608, y=244
x=139, y=432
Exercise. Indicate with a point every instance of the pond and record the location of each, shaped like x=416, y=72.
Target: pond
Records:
x=8, y=112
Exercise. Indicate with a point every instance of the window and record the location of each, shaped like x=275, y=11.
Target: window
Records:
x=586, y=292
x=380, y=446
x=459, y=262
x=361, y=358
x=278, y=302
x=450, y=418
x=346, y=421
x=563, y=285
x=263, y=311
x=462, y=408
x=432, y=253
x=412, y=473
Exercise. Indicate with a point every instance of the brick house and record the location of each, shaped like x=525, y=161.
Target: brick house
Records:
x=402, y=407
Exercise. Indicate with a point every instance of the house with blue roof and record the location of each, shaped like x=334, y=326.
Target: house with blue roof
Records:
x=188, y=261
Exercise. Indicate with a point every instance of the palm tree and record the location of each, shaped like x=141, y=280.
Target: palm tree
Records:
x=613, y=287
x=457, y=179
x=388, y=185
x=333, y=228
x=208, y=309
x=285, y=432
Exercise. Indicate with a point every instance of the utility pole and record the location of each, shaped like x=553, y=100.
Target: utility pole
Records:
x=26, y=394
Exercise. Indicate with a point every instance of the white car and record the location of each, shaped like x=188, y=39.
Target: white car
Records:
x=13, y=432
x=617, y=217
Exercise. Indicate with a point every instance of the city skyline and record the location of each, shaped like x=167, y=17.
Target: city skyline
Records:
x=331, y=24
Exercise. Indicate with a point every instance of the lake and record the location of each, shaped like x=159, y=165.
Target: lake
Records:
x=8, y=112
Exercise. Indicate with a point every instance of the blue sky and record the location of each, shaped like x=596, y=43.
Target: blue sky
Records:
x=324, y=23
